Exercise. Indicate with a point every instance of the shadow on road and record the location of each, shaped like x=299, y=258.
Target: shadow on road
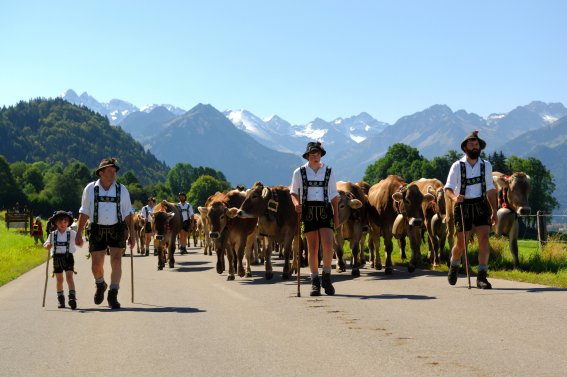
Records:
x=146, y=309
x=389, y=297
x=531, y=290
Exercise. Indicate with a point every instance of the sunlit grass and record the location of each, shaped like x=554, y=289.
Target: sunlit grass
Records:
x=18, y=254
x=546, y=267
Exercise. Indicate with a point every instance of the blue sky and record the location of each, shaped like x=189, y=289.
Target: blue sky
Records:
x=297, y=59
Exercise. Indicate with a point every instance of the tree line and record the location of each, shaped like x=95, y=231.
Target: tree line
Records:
x=45, y=188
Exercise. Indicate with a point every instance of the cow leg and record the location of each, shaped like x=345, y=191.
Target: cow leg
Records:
x=239, y=260
x=171, y=258
x=402, y=246
x=356, y=251
x=415, y=243
x=339, y=251
x=286, y=274
x=161, y=258
x=231, y=260
x=268, y=259
x=514, y=244
x=220, y=259
x=389, y=247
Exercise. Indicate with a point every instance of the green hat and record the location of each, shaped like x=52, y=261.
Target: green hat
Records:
x=473, y=135
x=106, y=163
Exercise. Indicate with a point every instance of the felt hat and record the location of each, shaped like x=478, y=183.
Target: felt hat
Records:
x=59, y=215
x=106, y=163
x=473, y=135
x=313, y=146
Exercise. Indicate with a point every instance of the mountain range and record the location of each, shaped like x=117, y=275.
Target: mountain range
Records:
x=205, y=136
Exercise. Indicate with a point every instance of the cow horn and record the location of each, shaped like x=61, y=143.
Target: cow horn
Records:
x=265, y=192
x=430, y=190
x=398, y=196
x=354, y=204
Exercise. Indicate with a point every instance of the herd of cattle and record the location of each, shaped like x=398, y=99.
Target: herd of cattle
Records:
x=243, y=224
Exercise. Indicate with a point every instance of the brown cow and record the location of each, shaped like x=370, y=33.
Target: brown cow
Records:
x=199, y=229
x=383, y=214
x=232, y=235
x=166, y=224
x=430, y=209
x=351, y=217
x=515, y=191
x=275, y=213
x=139, y=224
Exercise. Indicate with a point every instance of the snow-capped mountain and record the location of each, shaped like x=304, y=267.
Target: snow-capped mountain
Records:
x=280, y=135
x=115, y=110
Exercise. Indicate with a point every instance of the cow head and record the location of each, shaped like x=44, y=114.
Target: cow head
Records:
x=217, y=214
x=256, y=201
x=518, y=190
x=160, y=220
x=348, y=206
x=408, y=202
x=439, y=201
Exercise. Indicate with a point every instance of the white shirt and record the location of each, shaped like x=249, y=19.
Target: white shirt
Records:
x=314, y=193
x=106, y=210
x=188, y=210
x=61, y=237
x=147, y=212
x=471, y=191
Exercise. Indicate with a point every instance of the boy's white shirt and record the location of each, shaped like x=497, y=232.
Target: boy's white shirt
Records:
x=61, y=237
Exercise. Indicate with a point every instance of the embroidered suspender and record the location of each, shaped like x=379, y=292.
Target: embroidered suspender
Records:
x=66, y=244
x=107, y=199
x=307, y=184
x=179, y=205
x=473, y=181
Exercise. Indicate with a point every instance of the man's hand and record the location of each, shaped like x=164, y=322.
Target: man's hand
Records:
x=494, y=218
x=79, y=239
x=458, y=198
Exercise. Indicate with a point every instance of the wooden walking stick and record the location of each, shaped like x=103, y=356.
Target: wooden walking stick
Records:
x=132, y=271
x=466, y=246
x=46, y=276
x=299, y=251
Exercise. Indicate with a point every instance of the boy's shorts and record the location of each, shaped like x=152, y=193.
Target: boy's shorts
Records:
x=316, y=215
x=63, y=262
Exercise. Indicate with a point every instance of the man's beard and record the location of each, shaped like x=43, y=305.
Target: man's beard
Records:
x=473, y=154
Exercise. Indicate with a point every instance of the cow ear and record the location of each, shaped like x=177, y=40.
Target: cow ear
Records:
x=265, y=192
x=428, y=197
x=232, y=212
x=354, y=204
x=203, y=210
x=500, y=180
x=398, y=196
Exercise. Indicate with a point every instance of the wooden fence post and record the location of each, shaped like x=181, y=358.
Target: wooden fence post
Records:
x=541, y=231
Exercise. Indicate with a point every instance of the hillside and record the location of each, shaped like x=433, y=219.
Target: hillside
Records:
x=54, y=130
x=204, y=136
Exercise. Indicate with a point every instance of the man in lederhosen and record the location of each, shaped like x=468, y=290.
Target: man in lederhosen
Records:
x=187, y=214
x=470, y=186
x=315, y=197
x=107, y=205
x=147, y=216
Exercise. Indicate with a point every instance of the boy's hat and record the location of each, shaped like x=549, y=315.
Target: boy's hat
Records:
x=313, y=146
x=106, y=163
x=59, y=215
x=473, y=135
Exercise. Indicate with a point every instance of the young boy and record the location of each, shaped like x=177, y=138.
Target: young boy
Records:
x=62, y=245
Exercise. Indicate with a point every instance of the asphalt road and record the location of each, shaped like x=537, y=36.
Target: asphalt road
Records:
x=190, y=321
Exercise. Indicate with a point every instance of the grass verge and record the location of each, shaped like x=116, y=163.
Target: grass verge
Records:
x=18, y=254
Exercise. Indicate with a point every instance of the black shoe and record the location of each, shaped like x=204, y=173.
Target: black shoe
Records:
x=147, y=251
x=72, y=301
x=61, y=300
x=453, y=272
x=327, y=285
x=481, y=281
x=315, y=287
x=99, y=294
x=113, y=299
